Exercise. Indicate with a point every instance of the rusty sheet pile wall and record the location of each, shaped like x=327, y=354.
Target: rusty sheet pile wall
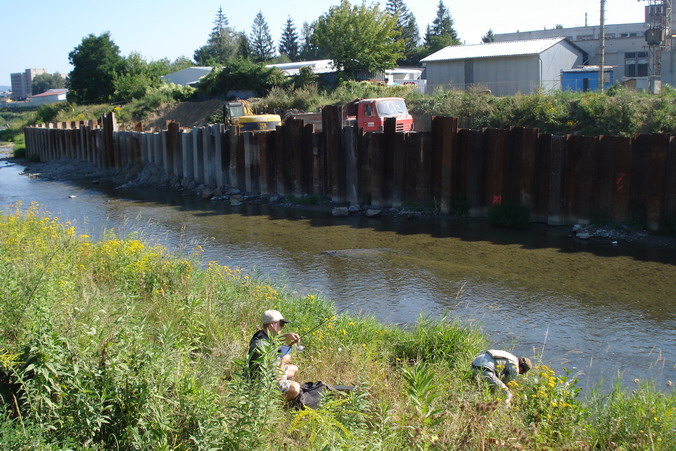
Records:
x=561, y=179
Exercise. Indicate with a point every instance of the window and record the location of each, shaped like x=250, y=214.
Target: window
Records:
x=636, y=64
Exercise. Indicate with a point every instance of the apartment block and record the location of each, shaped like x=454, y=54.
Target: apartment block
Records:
x=22, y=83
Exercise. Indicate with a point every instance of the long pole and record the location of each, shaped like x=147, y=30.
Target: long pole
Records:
x=602, y=37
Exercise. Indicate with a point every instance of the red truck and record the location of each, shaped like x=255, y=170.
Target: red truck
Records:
x=369, y=114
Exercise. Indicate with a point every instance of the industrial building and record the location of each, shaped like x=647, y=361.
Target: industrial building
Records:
x=638, y=52
x=503, y=68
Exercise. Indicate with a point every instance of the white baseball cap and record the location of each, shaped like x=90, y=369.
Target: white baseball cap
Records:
x=271, y=316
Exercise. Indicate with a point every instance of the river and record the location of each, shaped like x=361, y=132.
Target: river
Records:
x=599, y=309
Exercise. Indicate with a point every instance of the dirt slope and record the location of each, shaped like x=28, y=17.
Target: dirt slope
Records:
x=188, y=114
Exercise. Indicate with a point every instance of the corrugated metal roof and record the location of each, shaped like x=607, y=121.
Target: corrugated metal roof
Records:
x=493, y=49
x=51, y=92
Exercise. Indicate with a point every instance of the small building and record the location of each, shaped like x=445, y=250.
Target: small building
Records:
x=324, y=69
x=406, y=76
x=586, y=78
x=504, y=68
x=47, y=97
x=188, y=76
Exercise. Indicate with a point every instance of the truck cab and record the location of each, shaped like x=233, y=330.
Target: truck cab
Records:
x=370, y=114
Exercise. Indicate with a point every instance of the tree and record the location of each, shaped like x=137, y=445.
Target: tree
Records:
x=308, y=49
x=137, y=77
x=262, y=47
x=441, y=34
x=407, y=30
x=359, y=39
x=43, y=82
x=488, y=37
x=96, y=63
x=243, y=46
x=241, y=75
x=221, y=45
x=289, y=45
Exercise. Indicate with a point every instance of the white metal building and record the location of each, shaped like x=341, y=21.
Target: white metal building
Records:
x=504, y=68
x=49, y=96
x=188, y=76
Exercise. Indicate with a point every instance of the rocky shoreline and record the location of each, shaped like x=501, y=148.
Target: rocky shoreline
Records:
x=149, y=175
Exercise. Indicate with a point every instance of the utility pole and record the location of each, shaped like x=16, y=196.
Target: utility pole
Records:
x=602, y=38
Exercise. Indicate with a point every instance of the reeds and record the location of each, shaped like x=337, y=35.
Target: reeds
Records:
x=120, y=344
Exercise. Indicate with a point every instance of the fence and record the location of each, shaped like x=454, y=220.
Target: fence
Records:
x=561, y=179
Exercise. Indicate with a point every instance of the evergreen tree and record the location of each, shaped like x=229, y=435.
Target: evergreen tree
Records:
x=488, y=37
x=407, y=30
x=441, y=33
x=243, y=46
x=262, y=47
x=222, y=43
x=289, y=45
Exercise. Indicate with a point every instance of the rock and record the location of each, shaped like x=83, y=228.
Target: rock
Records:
x=583, y=235
x=234, y=191
x=353, y=208
x=340, y=211
x=235, y=201
x=72, y=196
x=371, y=212
x=577, y=228
x=207, y=193
x=274, y=198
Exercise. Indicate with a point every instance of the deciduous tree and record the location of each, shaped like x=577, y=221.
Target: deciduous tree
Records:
x=359, y=39
x=308, y=49
x=262, y=46
x=43, y=82
x=96, y=63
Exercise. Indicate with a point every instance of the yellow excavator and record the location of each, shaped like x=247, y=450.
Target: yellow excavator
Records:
x=239, y=112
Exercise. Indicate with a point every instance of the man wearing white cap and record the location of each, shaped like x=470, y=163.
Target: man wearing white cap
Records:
x=273, y=323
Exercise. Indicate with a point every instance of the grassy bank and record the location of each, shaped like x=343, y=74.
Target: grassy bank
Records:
x=120, y=344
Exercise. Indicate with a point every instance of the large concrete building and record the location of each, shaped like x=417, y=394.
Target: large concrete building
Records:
x=504, y=68
x=626, y=47
x=22, y=83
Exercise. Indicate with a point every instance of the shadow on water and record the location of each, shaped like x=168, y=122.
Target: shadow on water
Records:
x=536, y=236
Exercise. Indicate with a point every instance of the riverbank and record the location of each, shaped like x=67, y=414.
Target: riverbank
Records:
x=119, y=344
x=150, y=176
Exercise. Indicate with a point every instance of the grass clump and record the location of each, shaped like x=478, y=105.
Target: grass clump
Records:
x=121, y=344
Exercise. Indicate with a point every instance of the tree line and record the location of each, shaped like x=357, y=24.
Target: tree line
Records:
x=359, y=39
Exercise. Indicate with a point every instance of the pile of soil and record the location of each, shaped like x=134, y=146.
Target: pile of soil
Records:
x=187, y=114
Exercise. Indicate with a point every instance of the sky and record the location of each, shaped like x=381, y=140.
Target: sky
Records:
x=41, y=33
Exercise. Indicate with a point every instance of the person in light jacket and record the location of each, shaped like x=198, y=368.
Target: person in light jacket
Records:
x=499, y=367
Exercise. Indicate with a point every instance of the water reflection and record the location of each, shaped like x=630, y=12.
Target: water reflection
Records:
x=594, y=308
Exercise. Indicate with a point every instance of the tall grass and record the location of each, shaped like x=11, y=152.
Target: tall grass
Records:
x=120, y=344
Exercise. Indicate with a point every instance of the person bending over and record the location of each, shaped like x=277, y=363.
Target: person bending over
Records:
x=499, y=368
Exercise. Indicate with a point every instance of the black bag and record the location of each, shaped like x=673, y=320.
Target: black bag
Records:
x=311, y=395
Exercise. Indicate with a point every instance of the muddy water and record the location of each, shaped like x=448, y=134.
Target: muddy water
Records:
x=598, y=309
